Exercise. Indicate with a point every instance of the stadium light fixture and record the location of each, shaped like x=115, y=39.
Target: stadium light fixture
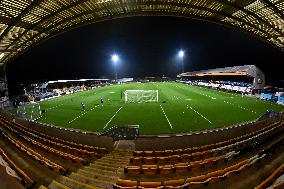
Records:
x=115, y=59
x=181, y=55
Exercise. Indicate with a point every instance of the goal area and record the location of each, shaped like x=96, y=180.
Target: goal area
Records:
x=29, y=110
x=141, y=96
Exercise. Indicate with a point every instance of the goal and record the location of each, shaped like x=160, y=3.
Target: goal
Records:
x=141, y=96
x=29, y=110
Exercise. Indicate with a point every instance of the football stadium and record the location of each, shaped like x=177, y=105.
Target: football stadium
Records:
x=213, y=120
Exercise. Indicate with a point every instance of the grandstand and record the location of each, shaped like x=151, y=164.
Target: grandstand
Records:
x=175, y=145
x=250, y=71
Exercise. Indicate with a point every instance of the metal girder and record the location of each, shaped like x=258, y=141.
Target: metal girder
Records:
x=139, y=4
x=234, y=5
x=14, y=21
x=45, y=19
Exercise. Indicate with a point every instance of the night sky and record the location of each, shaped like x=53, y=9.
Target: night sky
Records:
x=147, y=46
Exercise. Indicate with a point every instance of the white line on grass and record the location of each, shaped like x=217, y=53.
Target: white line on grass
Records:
x=240, y=107
x=79, y=116
x=113, y=117
x=200, y=115
x=54, y=107
x=166, y=116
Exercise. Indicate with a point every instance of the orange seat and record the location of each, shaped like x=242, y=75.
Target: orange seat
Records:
x=187, y=151
x=177, y=182
x=181, y=167
x=200, y=178
x=194, y=166
x=150, y=184
x=162, y=160
x=185, y=158
x=121, y=183
x=138, y=153
x=159, y=153
x=148, y=154
x=149, y=160
x=197, y=156
x=132, y=170
x=136, y=160
x=207, y=154
x=168, y=152
x=167, y=169
x=149, y=169
x=174, y=159
x=178, y=152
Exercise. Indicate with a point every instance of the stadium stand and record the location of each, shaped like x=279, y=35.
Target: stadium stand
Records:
x=274, y=181
x=68, y=164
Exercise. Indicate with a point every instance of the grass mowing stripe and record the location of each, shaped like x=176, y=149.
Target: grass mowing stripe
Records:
x=54, y=107
x=166, y=116
x=113, y=117
x=200, y=114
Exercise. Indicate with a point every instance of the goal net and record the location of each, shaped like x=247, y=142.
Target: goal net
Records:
x=140, y=96
x=29, y=110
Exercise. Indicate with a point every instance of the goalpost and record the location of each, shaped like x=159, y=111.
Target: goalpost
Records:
x=141, y=96
x=30, y=111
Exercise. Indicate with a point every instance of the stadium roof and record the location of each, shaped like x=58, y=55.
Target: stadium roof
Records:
x=246, y=70
x=25, y=23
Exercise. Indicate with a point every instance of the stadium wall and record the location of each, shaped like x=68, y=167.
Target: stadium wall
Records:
x=89, y=138
x=199, y=138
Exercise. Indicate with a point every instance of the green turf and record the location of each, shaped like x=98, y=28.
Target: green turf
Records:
x=188, y=108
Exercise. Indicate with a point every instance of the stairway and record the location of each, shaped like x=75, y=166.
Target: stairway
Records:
x=103, y=173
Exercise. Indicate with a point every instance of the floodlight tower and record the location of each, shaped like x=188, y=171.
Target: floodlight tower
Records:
x=115, y=59
x=181, y=55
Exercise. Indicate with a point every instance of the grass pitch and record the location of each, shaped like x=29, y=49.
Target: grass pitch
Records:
x=181, y=108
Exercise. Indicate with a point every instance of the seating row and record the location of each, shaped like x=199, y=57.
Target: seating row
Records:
x=57, y=145
x=178, y=167
x=47, y=148
x=33, y=154
x=208, y=178
x=271, y=183
x=64, y=155
x=71, y=144
x=171, y=158
x=13, y=170
x=208, y=147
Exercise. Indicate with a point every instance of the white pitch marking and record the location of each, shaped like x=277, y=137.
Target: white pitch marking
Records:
x=188, y=99
x=112, y=117
x=240, y=107
x=201, y=115
x=166, y=116
x=81, y=115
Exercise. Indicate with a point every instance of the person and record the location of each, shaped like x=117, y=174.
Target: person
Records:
x=83, y=105
x=102, y=101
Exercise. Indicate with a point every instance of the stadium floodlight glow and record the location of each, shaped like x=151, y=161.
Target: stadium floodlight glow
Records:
x=114, y=58
x=181, y=55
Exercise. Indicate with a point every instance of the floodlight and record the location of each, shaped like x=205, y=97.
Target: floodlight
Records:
x=181, y=54
x=114, y=58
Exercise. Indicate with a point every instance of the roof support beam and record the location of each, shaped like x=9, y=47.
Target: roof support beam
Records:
x=18, y=18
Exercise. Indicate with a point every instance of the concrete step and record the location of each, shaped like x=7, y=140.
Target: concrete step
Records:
x=91, y=181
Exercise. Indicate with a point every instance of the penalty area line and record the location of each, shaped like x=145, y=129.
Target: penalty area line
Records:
x=166, y=116
x=112, y=117
x=200, y=115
